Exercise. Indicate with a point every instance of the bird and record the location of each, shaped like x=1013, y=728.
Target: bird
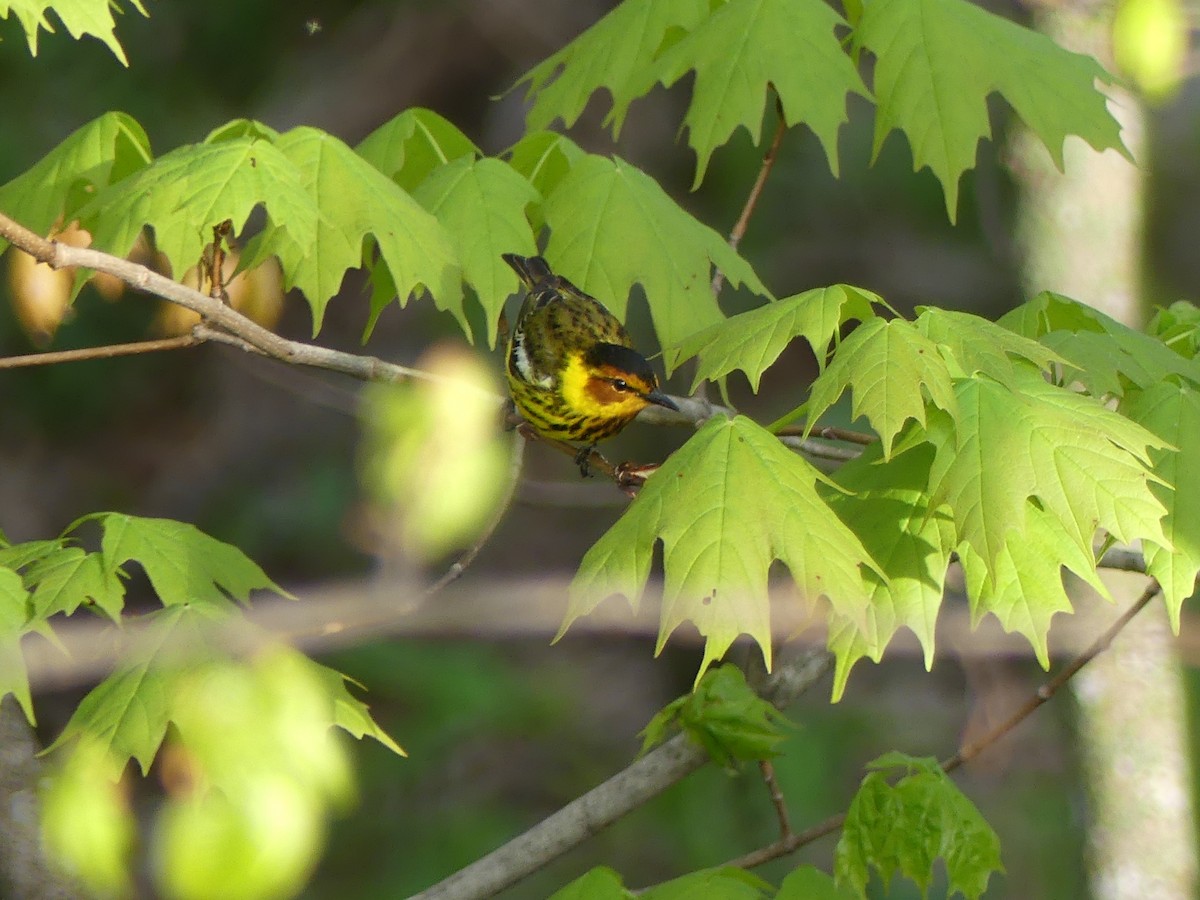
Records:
x=572, y=370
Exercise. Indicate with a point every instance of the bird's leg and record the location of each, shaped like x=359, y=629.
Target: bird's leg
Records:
x=584, y=457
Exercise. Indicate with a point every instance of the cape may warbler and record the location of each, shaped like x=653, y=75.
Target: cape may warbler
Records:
x=572, y=369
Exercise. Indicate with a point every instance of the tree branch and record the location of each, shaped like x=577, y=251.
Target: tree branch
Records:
x=739, y=227
x=108, y=351
x=643, y=779
x=786, y=845
x=223, y=321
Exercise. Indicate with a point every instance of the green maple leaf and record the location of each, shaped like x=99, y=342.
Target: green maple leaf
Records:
x=1178, y=327
x=14, y=605
x=348, y=712
x=482, y=205
x=615, y=53
x=972, y=345
x=242, y=128
x=17, y=556
x=127, y=713
x=1084, y=464
x=188, y=191
x=938, y=60
x=1096, y=350
x=356, y=200
x=888, y=506
x=724, y=883
x=80, y=17
x=63, y=581
x=104, y=150
x=600, y=209
x=810, y=883
x=1172, y=411
x=600, y=883
x=544, y=158
x=724, y=716
x=185, y=565
x=905, y=827
x=1023, y=586
x=752, y=341
x=725, y=506
x=411, y=145
x=745, y=46
x=891, y=368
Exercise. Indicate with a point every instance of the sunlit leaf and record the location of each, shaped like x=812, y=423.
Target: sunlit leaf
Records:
x=93, y=18
x=752, y=341
x=184, y=565
x=1084, y=464
x=482, y=205
x=1172, y=411
x=888, y=506
x=409, y=146
x=183, y=194
x=893, y=372
x=725, y=506
x=937, y=61
x=104, y=150
x=612, y=226
x=615, y=53
x=745, y=47
x=355, y=201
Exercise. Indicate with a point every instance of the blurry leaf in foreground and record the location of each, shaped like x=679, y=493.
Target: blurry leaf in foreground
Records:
x=87, y=826
x=433, y=458
x=256, y=769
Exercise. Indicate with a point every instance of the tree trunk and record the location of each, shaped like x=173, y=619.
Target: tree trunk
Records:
x=1081, y=235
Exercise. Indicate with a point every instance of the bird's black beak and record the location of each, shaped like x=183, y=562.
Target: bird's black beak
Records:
x=658, y=397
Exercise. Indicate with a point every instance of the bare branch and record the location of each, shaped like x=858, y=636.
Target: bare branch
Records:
x=967, y=752
x=107, y=352
x=220, y=317
x=583, y=817
x=777, y=798
x=739, y=227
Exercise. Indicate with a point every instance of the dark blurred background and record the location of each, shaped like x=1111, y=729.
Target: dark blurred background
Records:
x=503, y=731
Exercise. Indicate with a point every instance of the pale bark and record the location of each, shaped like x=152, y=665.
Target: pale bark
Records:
x=1081, y=235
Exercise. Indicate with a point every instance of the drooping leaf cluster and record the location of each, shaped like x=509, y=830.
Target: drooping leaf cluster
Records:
x=936, y=63
x=415, y=204
x=999, y=443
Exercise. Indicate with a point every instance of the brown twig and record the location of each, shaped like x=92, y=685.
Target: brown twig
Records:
x=107, y=352
x=777, y=798
x=222, y=320
x=786, y=845
x=739, y=227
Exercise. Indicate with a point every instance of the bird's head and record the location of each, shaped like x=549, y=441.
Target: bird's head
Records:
x=611, y=381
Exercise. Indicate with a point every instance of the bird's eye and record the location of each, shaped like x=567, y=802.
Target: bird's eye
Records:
x=620, y=384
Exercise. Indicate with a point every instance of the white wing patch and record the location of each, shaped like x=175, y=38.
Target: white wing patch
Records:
x=521, y=362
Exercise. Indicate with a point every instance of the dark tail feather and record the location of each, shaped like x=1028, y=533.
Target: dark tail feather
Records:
x=531, y=269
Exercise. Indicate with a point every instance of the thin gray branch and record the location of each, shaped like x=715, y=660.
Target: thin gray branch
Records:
x=583, y=817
